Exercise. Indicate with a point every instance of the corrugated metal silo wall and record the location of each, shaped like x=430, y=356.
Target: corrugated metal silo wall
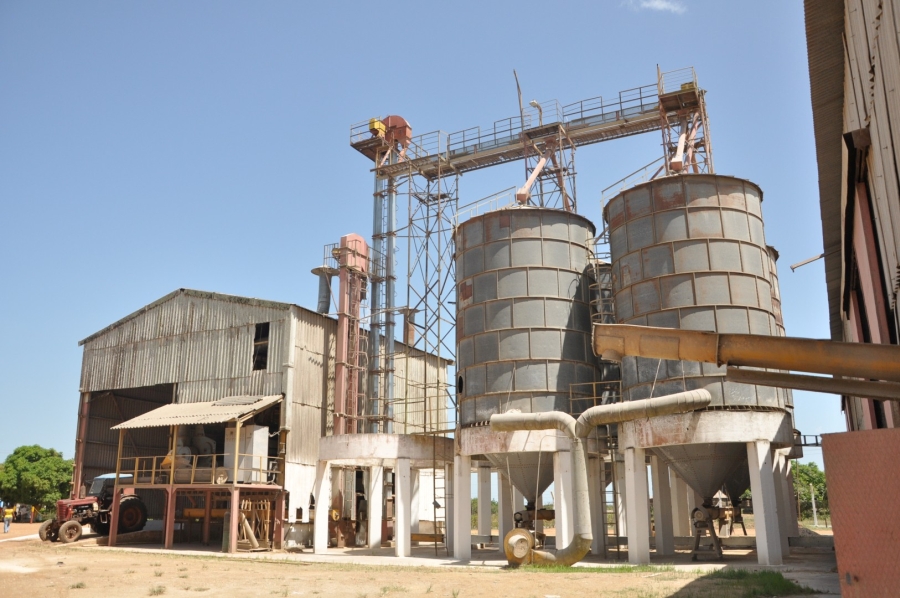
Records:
x=523, y=314
x=689, y=252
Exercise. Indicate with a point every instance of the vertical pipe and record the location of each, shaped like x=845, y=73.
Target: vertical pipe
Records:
x=390, y=278
x=237, y=455
x=504, y=509
x=373, y=389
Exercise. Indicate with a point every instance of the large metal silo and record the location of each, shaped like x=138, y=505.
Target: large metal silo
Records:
x=524, y=324
x=689, y=252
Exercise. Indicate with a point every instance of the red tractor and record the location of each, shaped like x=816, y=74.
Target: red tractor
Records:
x=95, y=510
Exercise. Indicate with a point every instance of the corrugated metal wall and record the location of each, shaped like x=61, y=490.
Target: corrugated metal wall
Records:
x=205, y=345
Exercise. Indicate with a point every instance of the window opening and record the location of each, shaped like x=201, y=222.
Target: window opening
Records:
x=261, y=346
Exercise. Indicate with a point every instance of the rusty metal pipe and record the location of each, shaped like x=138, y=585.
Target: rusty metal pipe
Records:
x=852, y=360
x=681, y=402
x=889, y=391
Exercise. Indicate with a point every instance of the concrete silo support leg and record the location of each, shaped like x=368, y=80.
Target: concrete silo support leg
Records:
x=375, y=505
x=621, y=498
x=596, y=485
x=765, y=513
x=564, y=498
x=235, y=513
x=484, y=501
x=680, y=514
x=414, y=498
x=403, y=503
x=783, y=501
x=662, y=507
x=323, y=507
x=462, y=505
x=450, y=514
x=504, y=509
x=637, y=506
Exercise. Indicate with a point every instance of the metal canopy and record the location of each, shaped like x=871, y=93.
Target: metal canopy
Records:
x=223, y=410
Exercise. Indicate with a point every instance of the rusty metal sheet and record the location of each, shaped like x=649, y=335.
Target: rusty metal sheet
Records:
x=731, y=194
x=701, y=191
x=704, y=223
x=668, y=194
x=677, y=291
x=725, y=256
x=658, y=261
x=637, y=203
x=691, y=256
x=671, y=225
x=646, y=297
x=639, y=233
x=744, y=290
x=615, y=212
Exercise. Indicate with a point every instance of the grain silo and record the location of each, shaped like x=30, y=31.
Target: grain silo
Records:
x=689, y=252
x=524, y=326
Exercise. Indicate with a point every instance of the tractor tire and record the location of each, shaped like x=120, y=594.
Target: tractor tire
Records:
x=70, y=531
x=132, y=515
x=101, y=529
x=44, y=530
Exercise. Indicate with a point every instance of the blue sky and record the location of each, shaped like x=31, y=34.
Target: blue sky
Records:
x=146, y=147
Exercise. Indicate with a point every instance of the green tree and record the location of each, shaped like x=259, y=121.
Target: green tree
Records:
x=804, y=475
x=34, y=475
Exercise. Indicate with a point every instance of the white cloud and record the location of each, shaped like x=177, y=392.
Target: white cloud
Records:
x=665, y=5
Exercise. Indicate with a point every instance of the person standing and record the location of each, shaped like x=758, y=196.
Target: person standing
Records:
x=7, y=518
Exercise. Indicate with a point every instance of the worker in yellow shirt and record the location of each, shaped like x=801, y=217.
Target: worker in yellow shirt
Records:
x=7, y=518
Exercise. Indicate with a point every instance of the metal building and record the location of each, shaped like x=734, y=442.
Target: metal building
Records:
x=197, y=347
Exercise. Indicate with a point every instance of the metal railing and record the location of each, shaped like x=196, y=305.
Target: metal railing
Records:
x=678, y=80
x=584, y=395
x=201, y=469
x=498, y=200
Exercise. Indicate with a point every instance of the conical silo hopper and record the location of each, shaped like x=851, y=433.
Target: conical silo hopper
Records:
x=689, y=252
x=524, y=327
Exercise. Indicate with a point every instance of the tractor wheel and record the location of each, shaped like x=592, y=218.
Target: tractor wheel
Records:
x=70, y=531
x=132, y=515
x=99, y=528
x=44, y=530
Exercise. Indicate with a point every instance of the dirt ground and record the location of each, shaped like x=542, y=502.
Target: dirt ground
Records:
x=32, y=568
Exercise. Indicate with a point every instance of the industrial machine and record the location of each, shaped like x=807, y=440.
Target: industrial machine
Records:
x=94, y=510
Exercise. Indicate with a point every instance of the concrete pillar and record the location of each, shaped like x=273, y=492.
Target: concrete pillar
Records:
x=662, y=507
x=505, y=521
x=375, y=503
x=114, y=515
x=598, y=505
x=621, y=497
x=794, y=527
x=765, y=511
x=462, y=506
x=449, y=515
x=403, y=506
x=782, y=500
x=235, y=512
x=564, y=498
x=414, y=508
x=169, y=522
x=278, y=527
x=484, y=501
x=322, y=491
x=637, y=506
x=680, y=514
x=207, y=515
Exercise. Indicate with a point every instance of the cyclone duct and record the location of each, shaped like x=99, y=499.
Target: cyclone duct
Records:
x=524, y=325
x=689, y=252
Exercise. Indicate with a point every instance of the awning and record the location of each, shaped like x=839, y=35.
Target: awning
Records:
x=216, y=412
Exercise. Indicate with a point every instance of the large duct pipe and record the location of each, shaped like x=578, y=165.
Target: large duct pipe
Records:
x=853, y=360
x=520, y=546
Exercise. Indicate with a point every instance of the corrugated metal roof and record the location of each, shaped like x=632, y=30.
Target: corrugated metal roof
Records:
x=825, y=51
x=178, y=414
